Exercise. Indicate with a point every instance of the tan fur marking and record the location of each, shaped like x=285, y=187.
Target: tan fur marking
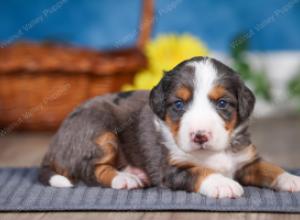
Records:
x=181, y=164
x=230, y=125
x=217, y=93
x=174, y=126
x=107, y=142
x=199, y=172
x=259, y=173
x=105, y=174
x=105, y=167
x=183, y=93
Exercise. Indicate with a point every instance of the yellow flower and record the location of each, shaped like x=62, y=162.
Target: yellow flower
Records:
x=164, y=53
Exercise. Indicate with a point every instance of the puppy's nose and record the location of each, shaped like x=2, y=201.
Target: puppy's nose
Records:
x=200, y=138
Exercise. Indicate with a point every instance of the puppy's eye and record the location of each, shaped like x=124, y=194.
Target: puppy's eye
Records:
x=179, y=105
x=221, y=104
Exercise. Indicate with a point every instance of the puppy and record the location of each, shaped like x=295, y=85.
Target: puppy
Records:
x=190, y=132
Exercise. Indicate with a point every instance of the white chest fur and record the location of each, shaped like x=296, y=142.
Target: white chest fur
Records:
x=225, y=162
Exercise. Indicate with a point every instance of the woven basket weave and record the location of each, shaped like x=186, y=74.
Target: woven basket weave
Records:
x=41, y=83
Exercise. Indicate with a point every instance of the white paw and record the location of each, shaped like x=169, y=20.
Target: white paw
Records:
x=125, y=180
x=219, y=186
x=139, y=173
x=60, y=181
x=287, y=182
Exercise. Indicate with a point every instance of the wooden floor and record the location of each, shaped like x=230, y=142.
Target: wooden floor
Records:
x=278, y=140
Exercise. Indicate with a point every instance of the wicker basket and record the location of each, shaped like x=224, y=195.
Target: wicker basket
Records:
x=41, y=83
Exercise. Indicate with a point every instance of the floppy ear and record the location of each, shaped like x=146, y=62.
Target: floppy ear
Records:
x=157, y=97
x=246, y=101
x=157, y=100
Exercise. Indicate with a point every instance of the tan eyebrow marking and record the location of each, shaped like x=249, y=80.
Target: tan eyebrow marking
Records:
x=183, y=93
x=217, y=92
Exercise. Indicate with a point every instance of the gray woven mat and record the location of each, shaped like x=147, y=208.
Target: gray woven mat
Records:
x=20, y=191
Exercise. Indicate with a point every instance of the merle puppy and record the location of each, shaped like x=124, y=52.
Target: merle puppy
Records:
x=190, y=132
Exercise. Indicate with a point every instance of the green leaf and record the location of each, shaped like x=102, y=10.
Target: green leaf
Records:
x=294, y=89
x=262, y=86
x=258, y=80
x=294, y=86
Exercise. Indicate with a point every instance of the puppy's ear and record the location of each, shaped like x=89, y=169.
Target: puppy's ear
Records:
x=157, y=99
x=246, y=100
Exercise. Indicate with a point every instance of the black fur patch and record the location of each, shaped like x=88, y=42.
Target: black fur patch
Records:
x=122, y=95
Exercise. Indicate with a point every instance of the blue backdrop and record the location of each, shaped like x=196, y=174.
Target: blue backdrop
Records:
x=270, y=24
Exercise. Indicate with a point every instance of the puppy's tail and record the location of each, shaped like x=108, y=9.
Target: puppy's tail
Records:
x=50, y=178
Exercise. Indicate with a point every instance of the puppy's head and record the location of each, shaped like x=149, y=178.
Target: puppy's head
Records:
x=201, y=102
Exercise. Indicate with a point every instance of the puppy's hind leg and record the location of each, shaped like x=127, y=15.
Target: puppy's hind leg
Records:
x=264, y=174
x=106, y=172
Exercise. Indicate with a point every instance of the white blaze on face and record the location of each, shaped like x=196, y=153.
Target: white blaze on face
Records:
x=201, y=114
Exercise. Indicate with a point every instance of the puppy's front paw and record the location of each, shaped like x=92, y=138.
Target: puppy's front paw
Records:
x=287, y=182
x=125, y=180
x=219, y=186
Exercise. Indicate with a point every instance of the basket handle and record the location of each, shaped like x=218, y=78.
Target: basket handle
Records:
x=146, y=24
